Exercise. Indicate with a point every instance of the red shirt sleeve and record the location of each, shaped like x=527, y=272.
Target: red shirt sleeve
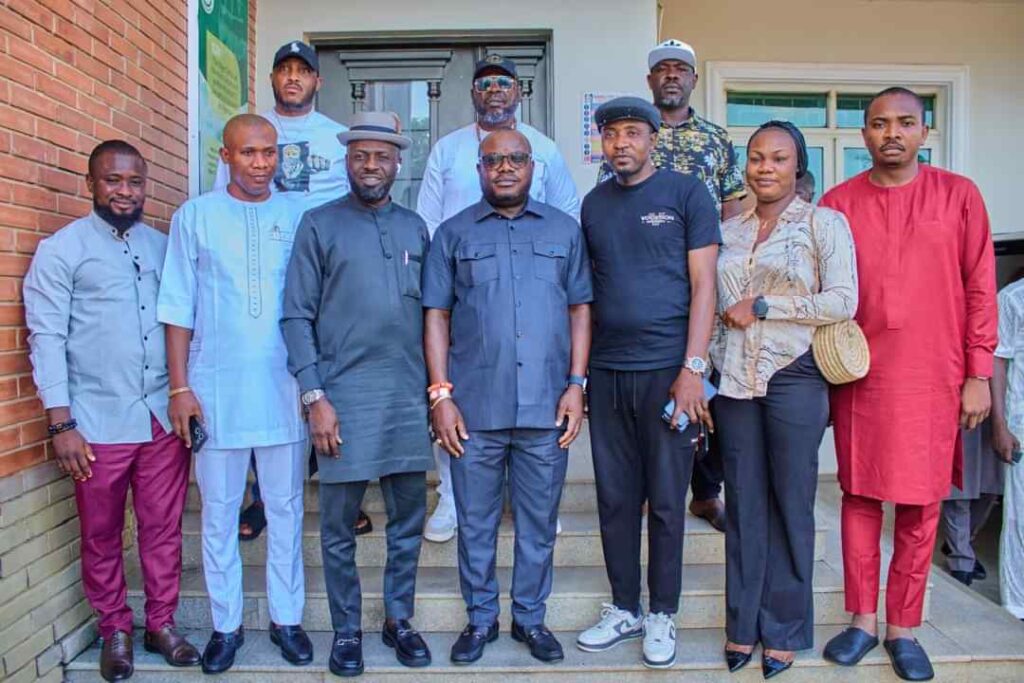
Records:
x=978, y=269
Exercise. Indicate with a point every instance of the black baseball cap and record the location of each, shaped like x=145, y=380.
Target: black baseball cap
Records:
x=495, y=61
x=297, y=48
x=631, y=108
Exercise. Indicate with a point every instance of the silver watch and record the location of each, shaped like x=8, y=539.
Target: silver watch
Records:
x=310, y=397
x=696, y=365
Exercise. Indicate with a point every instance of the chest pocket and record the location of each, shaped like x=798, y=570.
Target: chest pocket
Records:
x=549, y=261
x=476, y=264
x=411, y=276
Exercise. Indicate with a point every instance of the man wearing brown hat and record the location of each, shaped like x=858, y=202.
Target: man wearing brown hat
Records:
x=353, y=325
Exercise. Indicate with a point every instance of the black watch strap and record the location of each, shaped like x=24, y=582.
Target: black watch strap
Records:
x=60, y=427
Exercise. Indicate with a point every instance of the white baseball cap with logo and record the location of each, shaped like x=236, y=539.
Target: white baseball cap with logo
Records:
x=672, y=49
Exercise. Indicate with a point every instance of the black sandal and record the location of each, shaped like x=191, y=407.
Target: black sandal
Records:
x=255, y=518
x=363, y=524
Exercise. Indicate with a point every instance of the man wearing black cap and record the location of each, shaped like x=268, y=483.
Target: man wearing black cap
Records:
x=653, y=237
x=450, y=184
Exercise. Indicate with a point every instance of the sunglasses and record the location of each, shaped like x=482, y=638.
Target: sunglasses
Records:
x=484, y=84
x=516, y=160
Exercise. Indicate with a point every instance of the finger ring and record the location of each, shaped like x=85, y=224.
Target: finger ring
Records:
x=437, y=441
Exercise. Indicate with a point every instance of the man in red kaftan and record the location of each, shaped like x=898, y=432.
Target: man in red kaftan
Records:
x=926, y=269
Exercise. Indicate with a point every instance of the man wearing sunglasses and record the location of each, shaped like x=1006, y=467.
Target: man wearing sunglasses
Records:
x=507, y=334
x=450, y=184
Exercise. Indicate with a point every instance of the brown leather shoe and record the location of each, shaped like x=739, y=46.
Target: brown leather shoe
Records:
x=116, y=660
x=712, y=510
x=172, y=645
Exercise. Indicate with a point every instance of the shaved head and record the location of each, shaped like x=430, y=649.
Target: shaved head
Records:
x=505, y=137
x=242, y=127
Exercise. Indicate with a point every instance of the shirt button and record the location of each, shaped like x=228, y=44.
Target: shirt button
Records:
x=519, y=363
x=145, y=339
x=519, y=304
x=139, y=279
x=126, y=251
x=146, y=367
x=143, y=308
x=519, y=333
x=387, y=255
x=515, y=251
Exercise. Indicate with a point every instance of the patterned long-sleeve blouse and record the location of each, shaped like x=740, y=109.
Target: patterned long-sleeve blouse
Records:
x=807, y=273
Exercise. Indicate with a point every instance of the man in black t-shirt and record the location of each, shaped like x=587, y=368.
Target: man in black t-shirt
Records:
x=653, y=237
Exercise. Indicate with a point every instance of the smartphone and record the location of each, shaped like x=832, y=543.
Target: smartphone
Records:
x=197, y=434
x=684, y=420
x=1016, y=456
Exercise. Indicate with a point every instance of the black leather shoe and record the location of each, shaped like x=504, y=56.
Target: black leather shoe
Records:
x=407, y=643
x=909, y=659
x=850, y=646
x=294, y=643
x=963, y=577
x=979, y=573
x=346, y=654
x=771, y=667
x=735, y=659
x=219, y=655
x=470, y=645
x=542, y=643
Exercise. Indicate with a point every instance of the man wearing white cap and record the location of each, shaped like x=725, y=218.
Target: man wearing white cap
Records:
x=692, y=145
x=451, y=183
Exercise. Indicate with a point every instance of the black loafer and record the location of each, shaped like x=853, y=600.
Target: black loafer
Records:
x=346, y=654
x=909, y=659
x=736, y=660
x=542, y=643
x=771, y=667
x=410, y=649
x=963, y=577
x=294, y=643
x=850, y=646
x=979, y=573
x=219, y=654
x=471, y=642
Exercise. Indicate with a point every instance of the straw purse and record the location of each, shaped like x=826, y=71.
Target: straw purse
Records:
x=840, y=349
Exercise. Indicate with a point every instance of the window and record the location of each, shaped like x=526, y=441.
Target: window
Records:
x=827, y=103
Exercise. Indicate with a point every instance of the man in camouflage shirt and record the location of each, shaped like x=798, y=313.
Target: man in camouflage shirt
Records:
x=692, y=145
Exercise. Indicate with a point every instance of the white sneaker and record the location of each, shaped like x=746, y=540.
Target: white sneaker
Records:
x=616, y=626
x=441, y=526
x=659, y=641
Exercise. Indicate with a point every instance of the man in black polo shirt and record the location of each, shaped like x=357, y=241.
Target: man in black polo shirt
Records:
x=653, y=238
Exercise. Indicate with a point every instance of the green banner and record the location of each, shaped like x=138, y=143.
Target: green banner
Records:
x=223, y=76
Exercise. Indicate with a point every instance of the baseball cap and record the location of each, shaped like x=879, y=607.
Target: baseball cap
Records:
x=672, y=49
x=495, y=61
x=297, y=48
x=627, y=108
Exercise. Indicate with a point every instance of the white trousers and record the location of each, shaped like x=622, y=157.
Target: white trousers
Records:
x=1011, y=542
x=444, y=484
x=222, y=475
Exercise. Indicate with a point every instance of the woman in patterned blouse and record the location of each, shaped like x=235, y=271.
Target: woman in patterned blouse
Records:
x=784, y=268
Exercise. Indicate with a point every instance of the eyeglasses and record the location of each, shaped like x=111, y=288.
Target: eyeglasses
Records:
x=516, y=160
x=484, y=84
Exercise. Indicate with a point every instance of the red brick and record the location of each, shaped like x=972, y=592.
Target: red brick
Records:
x=33, y=10
x=13, y=363
x=10, y=290
x=56, y=89
x=18, y=217
x=35, y=197
x=59, y=48
x=12, y=264
x=73, y=206
x=10, y=439
x=50, y=223
x=8, y=341
x=6, y=239
x=75, y=35
x=62, y=8
x=74, y=119
x=24, y=170
x=58, y=180
x=26, y=242
x=8, y=388
x=21, y=459
x=57, y=134
x=93, y=67
x=34, y=431
x=29, y=54
x=114, y=16
x=26, y=386
x=95, y=27
x=32, y=101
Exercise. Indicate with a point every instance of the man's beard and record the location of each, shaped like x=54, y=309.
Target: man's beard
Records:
x=290, y=106
x=120, y=222
x=671, y=102
x=505, y=201
x=492, y=118
x=371, y=195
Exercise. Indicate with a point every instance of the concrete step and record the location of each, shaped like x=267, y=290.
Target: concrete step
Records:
x=698, y=658
x=575, y=601
x=579, y=544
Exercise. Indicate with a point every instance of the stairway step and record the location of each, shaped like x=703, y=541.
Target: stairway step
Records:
x=579, y=544
x=576, y=597
x=698, y=659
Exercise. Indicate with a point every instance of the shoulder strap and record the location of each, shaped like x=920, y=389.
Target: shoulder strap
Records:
x=817, y=249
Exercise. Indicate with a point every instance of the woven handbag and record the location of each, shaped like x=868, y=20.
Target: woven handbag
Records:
x=840, y=349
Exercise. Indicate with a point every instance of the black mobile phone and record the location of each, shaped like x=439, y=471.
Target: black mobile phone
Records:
x=197, y=434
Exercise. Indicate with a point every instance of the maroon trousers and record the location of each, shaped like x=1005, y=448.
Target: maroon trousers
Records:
x=157, y=472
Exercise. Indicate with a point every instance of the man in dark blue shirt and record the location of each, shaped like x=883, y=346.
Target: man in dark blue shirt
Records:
x=507, y=333
x=653, y=239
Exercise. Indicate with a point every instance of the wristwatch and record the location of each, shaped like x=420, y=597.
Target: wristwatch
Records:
x=579, y=380
x=696, y=365
x=310, y=397
x=760, y=308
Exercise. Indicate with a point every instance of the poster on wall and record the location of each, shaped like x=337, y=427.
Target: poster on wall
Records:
x=591, y=138
x=223, y=76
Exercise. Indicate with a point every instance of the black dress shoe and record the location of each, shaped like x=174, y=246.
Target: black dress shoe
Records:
x=407, y=642
x=736, y=660
x=909, y=659
x=963, y=577
x=294, y=643
x=219, y=655
x=470, y=645
x=946, y=550
x=850, y=646
x=542, y=643
x=773, y=667
x=346, y=654
x=979, y=573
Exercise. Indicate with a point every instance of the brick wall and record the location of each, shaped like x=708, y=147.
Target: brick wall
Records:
x=72, y=73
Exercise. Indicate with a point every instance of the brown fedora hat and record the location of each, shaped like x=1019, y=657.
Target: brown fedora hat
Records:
x=383, y=126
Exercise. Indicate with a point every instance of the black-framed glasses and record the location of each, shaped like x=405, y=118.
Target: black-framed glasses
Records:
x=484, y=84
x=516, y=160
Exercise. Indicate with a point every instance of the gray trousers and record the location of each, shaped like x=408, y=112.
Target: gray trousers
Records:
x=536, y=471
x=770, y=452
x=405, y=499
x=961, y=520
